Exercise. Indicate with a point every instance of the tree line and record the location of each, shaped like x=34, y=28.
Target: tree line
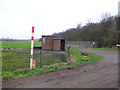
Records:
x=105, y=33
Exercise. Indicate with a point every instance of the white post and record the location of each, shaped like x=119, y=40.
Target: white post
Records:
x=32, y=43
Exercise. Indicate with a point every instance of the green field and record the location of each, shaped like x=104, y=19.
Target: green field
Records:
x=16, y=63
x=20, y=58
x=18, y=44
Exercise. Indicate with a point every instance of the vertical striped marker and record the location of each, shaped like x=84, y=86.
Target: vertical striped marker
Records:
x=32, y=41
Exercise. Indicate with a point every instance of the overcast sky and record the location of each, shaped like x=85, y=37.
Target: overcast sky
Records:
x=49, y=16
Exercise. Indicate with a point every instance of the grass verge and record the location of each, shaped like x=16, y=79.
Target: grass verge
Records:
x=107, y=49
x=77, y=58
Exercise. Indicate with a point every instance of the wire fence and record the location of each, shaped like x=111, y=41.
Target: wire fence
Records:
x=49, y=57
x=20, y=58
x=81, y=44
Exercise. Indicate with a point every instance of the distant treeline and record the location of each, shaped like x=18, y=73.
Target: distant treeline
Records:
x=8, y=39
x=105, y=33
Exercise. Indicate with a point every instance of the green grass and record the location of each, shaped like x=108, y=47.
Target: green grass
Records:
x=81, y=59
x=18, y=44
x=107, y=49
x=76, y=59
x=20, y=58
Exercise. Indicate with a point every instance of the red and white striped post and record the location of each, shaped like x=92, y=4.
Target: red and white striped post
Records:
x=32, y=42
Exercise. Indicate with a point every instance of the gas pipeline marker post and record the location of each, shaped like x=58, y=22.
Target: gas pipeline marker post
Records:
x=31, y=56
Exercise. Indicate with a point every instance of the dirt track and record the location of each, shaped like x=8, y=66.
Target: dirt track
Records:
x=102, y=74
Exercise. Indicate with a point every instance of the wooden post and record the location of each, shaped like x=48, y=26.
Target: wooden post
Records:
x=68, y=53
x=40, y=57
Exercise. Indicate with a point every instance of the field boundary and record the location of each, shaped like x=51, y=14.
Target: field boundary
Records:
x=48, y=68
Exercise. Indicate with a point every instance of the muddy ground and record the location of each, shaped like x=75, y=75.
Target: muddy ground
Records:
x=102, y=74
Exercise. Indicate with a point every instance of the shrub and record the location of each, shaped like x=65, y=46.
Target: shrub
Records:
x=19, y=71
x=51, y=66
x=26, y=70
x=85, y=58
x=84, y=53
x=8, y=76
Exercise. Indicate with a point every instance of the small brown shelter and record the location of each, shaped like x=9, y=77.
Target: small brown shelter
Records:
x=53, y=43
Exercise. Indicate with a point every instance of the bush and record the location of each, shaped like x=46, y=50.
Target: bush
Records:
x=26, y=70
x=85, y=58
x=19, y=71
x=84, y=53
x=8, y=76
x=51, y=66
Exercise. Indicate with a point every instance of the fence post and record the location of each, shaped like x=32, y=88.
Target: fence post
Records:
x=40, y=57
x=68, y=53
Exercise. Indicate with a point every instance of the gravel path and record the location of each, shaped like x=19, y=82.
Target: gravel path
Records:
x=102, y=74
